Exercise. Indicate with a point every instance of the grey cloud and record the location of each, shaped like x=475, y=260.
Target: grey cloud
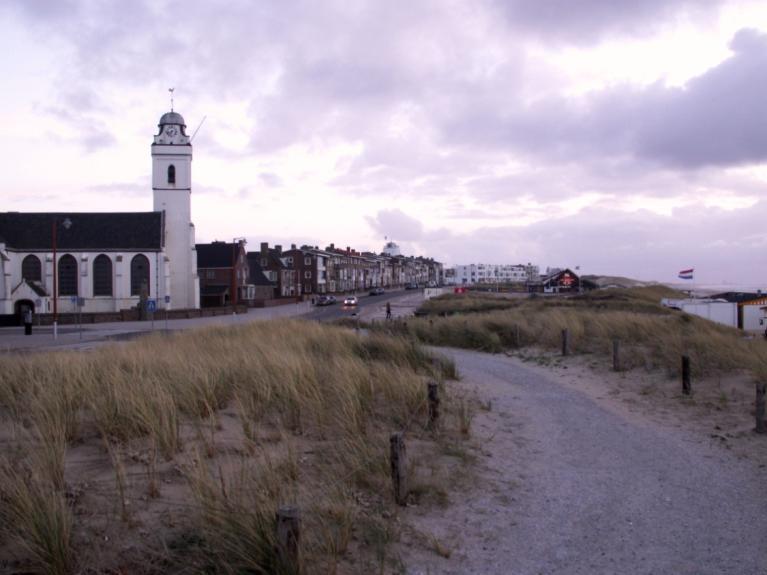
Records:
x=716, y=119
x=588, y=21
x=397, y=225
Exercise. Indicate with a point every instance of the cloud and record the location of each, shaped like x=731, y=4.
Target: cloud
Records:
x=720, y=244
x=716, y=119
x=396, y=225
x=588, y=21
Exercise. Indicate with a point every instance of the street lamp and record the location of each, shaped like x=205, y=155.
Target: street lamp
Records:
x=236, y=242
x=67, y=223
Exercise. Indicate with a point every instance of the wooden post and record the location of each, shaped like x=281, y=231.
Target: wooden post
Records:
x=686, y=385
x=516, y=336
x=433, y=404
x=760, y=390
x=398, y=456
x=288, y=538
x=565, y=342
x=616, y=355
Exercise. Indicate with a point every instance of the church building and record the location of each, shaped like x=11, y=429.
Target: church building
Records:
x=102, y=262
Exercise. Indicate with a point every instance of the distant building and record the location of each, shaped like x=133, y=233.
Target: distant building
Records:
x=224, y=274
x=391, y=249
x=493, y=274
x=561, y=281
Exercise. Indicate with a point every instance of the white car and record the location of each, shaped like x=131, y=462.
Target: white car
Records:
x=351, y=300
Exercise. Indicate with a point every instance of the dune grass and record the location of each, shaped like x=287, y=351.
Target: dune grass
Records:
x=246, y=418
x=651, y=336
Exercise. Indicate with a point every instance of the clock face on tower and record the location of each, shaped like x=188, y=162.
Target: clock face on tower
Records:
x=171, y=131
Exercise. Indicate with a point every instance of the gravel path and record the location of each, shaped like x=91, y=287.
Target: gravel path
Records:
x=569, y=486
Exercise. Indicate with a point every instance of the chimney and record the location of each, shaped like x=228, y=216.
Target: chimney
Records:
x=348, y=250
x=292, y=246
x=264, y=249
x=278, y=249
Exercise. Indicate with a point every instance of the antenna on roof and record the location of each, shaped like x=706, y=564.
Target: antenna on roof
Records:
x=171, y=98
x=198, y=128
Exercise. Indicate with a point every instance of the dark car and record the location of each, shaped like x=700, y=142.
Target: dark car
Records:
x=377, y=291
x=326, y=300
x=411, y=286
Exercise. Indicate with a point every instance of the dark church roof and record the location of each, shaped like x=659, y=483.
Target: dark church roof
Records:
x=133, y=231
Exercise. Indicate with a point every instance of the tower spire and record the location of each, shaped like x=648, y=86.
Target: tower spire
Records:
x=171, y=97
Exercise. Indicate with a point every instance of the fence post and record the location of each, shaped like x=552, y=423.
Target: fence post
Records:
x=686, y=385
x=616, y=355
x=398, y=456
x=760, y=390
x=516, y=336
x=565, y=342
x=288, y=537
x=433, y=404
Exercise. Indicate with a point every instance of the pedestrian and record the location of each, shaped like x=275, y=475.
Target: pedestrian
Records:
x=27, y=321
x=388, y=310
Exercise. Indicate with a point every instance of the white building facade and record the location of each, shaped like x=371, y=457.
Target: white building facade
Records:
x=493, y=274
x=105, y=262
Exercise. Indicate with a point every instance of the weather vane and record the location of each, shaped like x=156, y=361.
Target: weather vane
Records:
x=171, y=98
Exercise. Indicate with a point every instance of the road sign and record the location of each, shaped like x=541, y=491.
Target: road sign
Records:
x=167, y=299
x=151, y=305
x=73, y=299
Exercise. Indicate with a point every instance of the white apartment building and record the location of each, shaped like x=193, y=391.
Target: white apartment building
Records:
x=493, y=274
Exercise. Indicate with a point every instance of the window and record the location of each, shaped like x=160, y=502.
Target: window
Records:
x=290, y=259
x=31, y=269
x=171, y=174
x=307, y=261
x=263, y=262
x=102, y=275
x=67, y=272
x=210, y=274
x=139, y=274
x=308, y=275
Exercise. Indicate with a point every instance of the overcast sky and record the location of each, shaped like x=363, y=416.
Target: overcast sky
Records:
x=627, y=138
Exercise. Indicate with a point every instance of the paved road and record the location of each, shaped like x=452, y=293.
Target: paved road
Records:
x=575, y=488
x=368, y=306
x=12, y=339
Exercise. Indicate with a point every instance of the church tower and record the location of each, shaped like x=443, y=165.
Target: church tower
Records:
x=172, y=186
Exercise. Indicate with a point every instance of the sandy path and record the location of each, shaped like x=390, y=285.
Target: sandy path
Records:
x=566, y=485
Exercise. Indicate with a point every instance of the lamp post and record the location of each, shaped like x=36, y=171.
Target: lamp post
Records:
x=67, y=223
x=236, y=243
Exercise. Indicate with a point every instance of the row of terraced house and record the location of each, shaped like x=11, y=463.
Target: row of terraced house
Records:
x=229, y=274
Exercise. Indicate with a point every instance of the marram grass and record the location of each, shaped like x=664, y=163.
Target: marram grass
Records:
x=312, y=408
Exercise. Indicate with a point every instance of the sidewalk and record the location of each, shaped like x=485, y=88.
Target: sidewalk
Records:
x=90, y=335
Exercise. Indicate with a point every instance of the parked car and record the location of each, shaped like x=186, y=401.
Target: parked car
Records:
x=351, y=300
x=326, y=300
x=412, y=285
x=377, y=291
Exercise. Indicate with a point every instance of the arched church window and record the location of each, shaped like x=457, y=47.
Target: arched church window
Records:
x=67, y=270
x=139, y=274
x=171, y=174
x=31, y=269
x=102, y=275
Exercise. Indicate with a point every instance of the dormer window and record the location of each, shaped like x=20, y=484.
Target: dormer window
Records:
x=171, y=174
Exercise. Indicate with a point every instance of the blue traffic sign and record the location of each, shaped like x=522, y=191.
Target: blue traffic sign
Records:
x=151, y=305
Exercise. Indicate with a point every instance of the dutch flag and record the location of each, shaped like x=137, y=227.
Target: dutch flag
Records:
x=686, y=274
